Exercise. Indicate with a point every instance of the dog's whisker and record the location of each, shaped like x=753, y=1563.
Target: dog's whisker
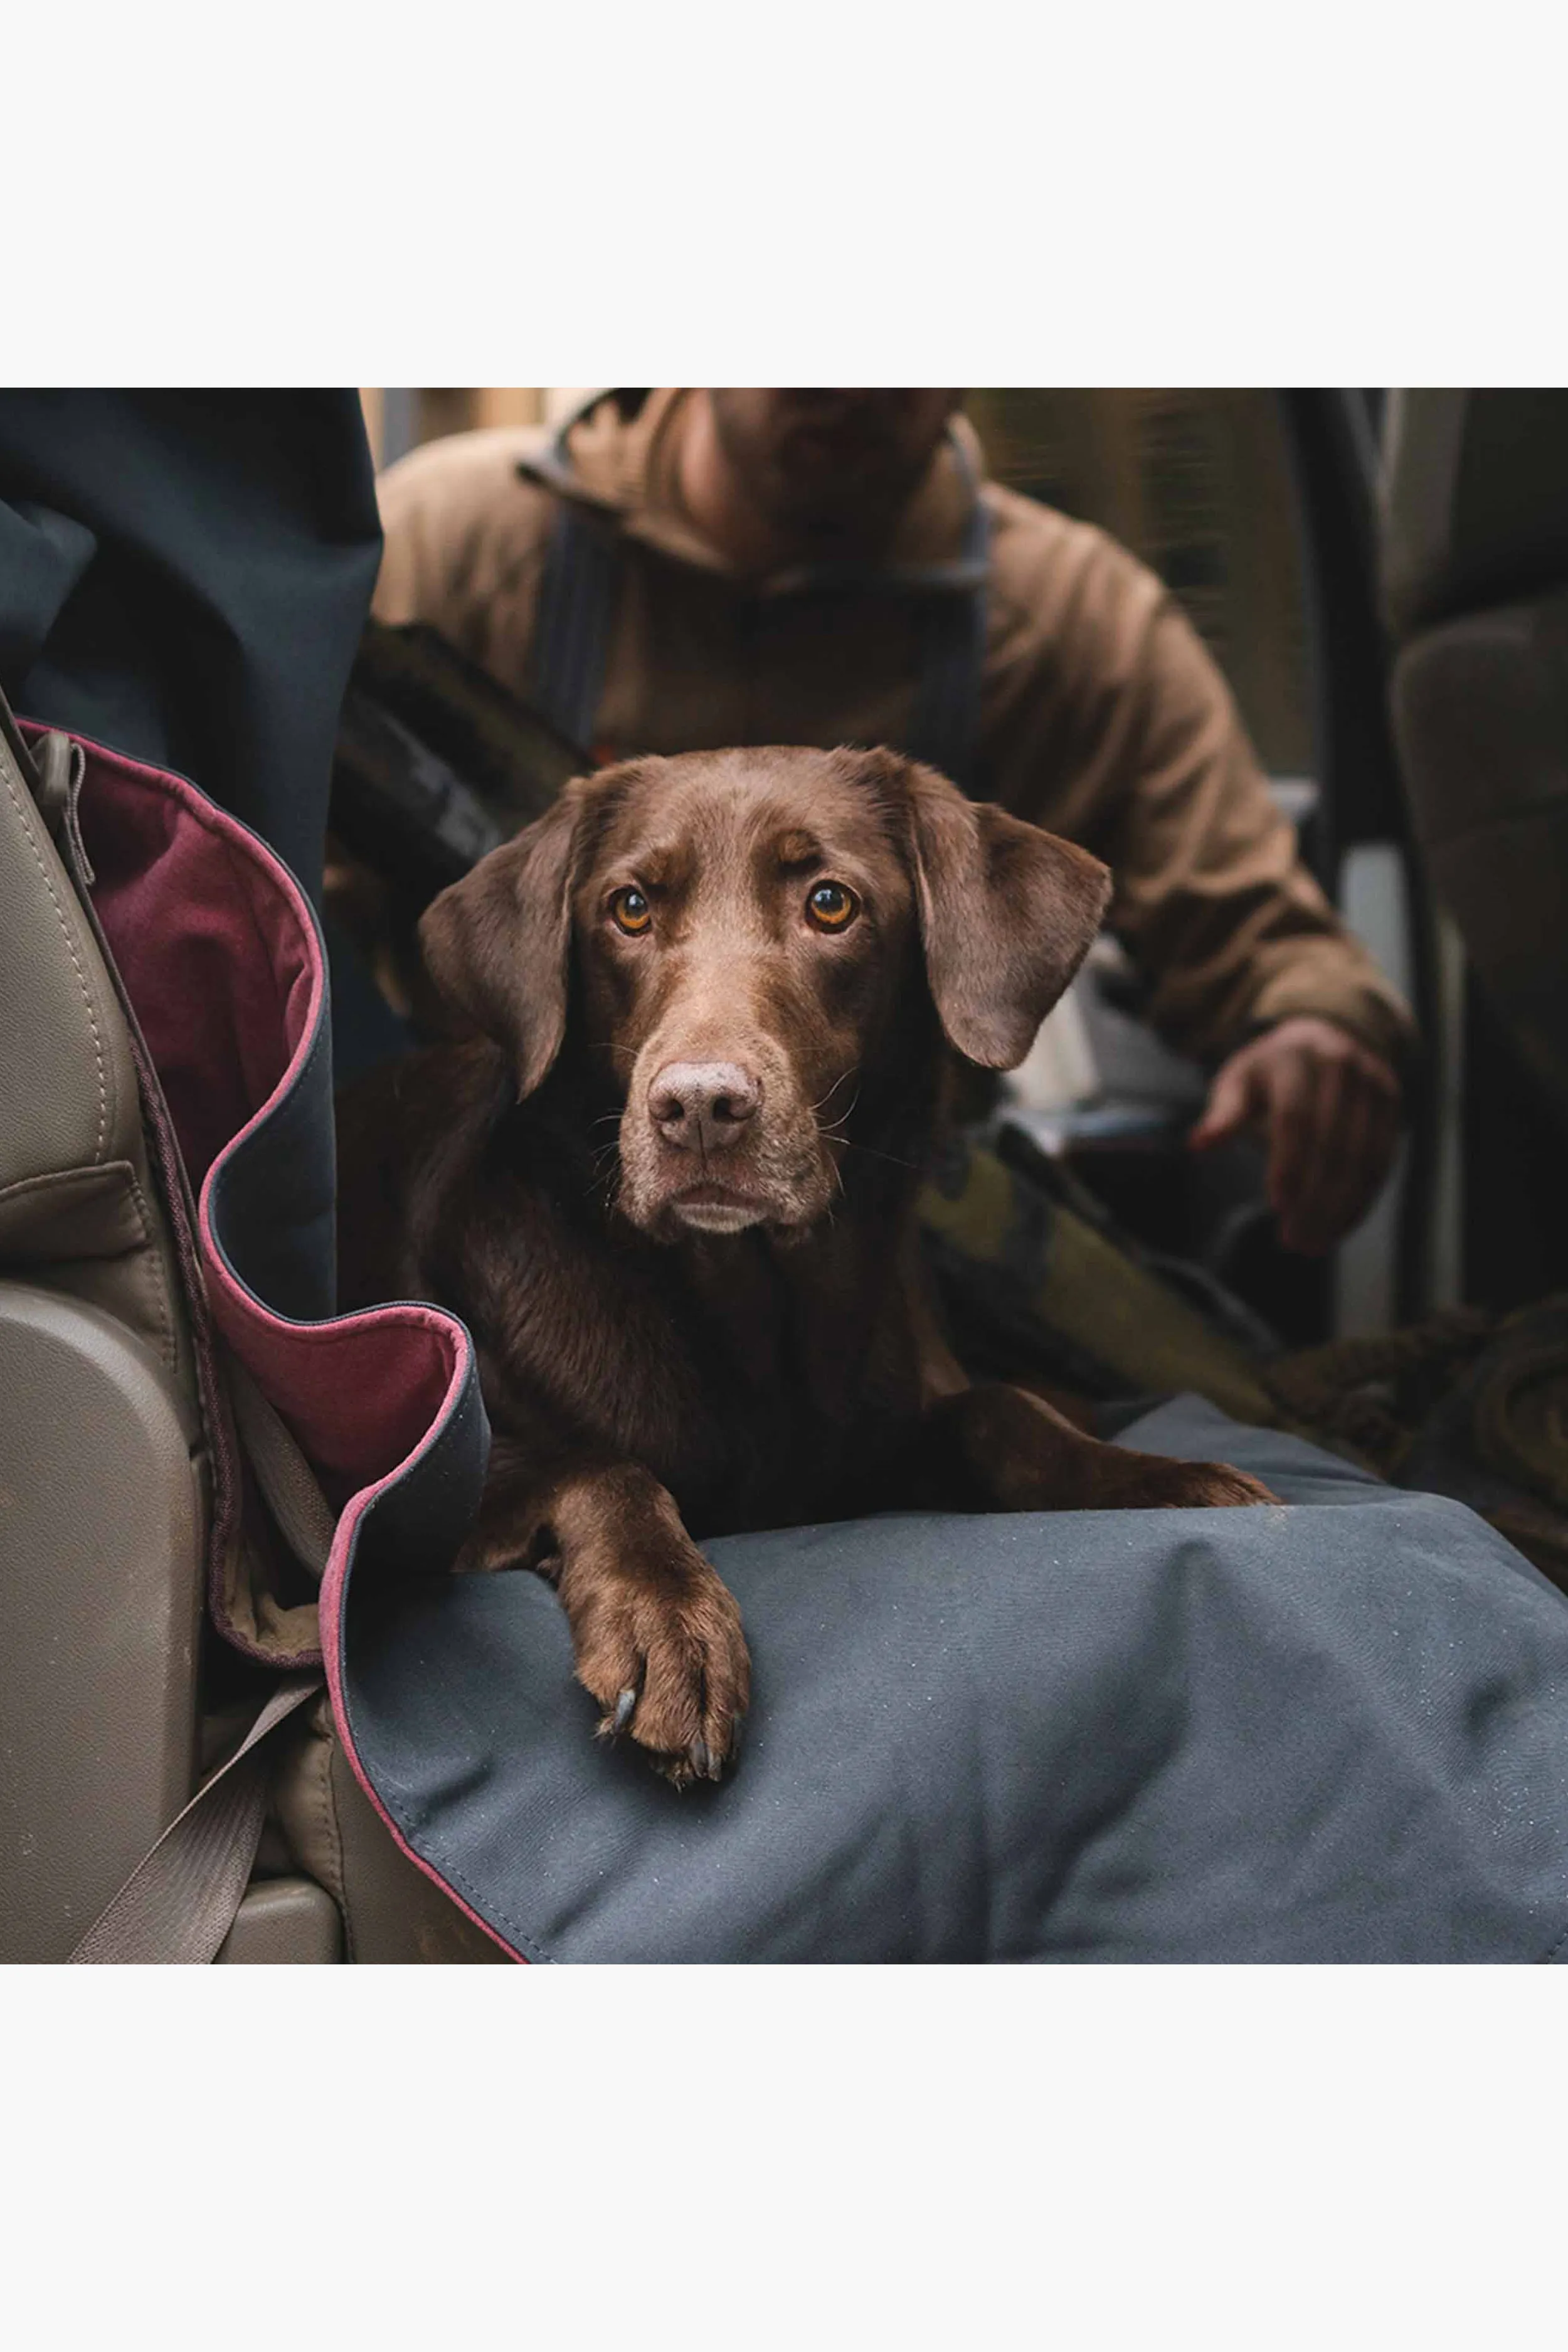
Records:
x=891, y=1157
x=850, y=1073
x=848, y=1112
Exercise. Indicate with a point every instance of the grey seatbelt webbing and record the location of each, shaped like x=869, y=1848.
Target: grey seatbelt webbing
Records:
x=180, y=1901
x=576, y=616
x=301, y=1512
x=945, y=729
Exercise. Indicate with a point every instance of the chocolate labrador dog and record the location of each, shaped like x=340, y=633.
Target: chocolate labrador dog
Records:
x=670, y=1186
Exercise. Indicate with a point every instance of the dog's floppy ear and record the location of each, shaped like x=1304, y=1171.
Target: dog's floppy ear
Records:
x=498, y=944
x=1008, y=912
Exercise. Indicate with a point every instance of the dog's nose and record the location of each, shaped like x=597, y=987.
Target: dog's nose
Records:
x=702, y=1105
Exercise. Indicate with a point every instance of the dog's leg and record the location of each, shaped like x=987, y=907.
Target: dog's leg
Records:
x=656, y=1631
x=1004, y=1450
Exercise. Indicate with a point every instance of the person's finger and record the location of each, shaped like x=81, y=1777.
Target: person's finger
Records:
x=1370, y=1130
x=1320, y=1158
x=1291, y=1106
x=1387, y=1126
x=1345, y=1173
x=1235, y=1103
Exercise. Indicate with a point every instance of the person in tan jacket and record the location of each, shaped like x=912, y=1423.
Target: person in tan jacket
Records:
x=685, y=570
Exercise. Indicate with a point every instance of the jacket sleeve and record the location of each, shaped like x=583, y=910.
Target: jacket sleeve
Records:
x=418, y=578
x=465, y=538
x=1212, y=899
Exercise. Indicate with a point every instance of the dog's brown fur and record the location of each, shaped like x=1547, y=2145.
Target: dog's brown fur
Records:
x=696, y=1300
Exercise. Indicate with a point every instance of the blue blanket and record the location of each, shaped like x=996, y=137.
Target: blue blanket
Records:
x=1335, y=1731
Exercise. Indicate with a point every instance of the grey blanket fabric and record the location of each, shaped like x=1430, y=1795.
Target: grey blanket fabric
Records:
x=1337, y=1731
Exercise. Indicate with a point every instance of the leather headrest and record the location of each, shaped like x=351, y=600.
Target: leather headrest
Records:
x=1474, y=502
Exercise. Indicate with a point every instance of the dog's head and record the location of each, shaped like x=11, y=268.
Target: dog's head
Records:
x=733, y=938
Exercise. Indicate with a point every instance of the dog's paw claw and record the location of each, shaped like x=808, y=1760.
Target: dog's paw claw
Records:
x=1215, y=1485
x=668, y=1668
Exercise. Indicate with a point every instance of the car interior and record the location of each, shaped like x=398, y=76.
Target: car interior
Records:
x=1383, y=576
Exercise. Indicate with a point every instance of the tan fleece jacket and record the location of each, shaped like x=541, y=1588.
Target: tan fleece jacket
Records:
x=1102, y=715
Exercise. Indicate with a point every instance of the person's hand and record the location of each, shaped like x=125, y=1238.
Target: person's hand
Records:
x=1327, y=1107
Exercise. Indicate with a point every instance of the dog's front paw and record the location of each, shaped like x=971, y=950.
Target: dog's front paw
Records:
x=665, y=1658
x=1202, y=1486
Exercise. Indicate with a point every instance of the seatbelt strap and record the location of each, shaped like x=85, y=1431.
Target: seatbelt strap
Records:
x=180, y=1901
x=301, y=1512
x=576, y=616
x=945, y=729
x=577, y=598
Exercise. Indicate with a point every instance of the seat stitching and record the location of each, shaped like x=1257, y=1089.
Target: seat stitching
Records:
x=24, y=812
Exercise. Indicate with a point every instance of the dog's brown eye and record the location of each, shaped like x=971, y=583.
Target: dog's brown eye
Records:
x=831, y=906
x=631, y=910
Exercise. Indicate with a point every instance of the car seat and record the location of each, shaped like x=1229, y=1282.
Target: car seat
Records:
x=1475, y=552
x=107, y=1480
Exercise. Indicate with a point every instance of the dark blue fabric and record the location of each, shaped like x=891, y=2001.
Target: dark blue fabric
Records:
x=1336, y=1731
x=184, y=576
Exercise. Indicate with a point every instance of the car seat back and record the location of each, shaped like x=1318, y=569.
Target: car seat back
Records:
x=146, y=1481
x=103, y=1472
x=1475, y=531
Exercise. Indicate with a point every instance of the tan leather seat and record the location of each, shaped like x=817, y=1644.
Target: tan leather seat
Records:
x=103, y=1475
x=102, y=1504
x=1476, y=586
x=103, y=1490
